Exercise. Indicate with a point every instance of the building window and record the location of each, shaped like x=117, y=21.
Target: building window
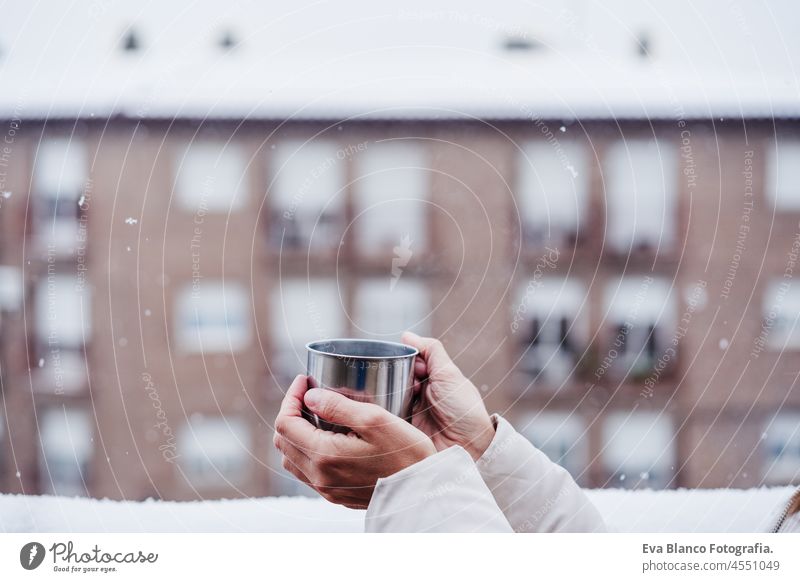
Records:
x=640, y=316
x=63, y=305
x=307, y=198
x=638, y=450
x=562, y=437
x=2, y=440
x=63, y=311
x=11, y=288
x=302, y=311
x=213, y=316
x=211, y=176
x=781, y=312
x=783, y=174
x=214, y=450
x=66, y=439
x=781, y=445
x=641, y=194
x=553, y=184
x=545, y=319
x=60, y=179
x=391, y=190
x=384, y=312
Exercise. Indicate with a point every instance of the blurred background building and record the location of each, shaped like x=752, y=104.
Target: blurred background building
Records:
x=594, y=205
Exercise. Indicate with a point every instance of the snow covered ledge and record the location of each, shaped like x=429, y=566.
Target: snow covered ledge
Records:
x=698, y=510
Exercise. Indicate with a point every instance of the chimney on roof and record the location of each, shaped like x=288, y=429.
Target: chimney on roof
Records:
x=520, y=43
x=643, y=45
x=228, y=41
x=130, y=41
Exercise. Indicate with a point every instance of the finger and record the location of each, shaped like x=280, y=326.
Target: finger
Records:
x=292, y=404
x=300, y=457
x=431, y=350
x=419, y=406
x=361, y=417
x=290, y=422
x=295, y=470
x=420, y=368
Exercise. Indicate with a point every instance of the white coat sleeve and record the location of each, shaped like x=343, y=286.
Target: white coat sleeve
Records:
x=535, y=494
x=443, y=493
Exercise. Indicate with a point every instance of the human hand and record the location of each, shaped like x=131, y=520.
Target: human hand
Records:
x=344, y=468
x=450, y=408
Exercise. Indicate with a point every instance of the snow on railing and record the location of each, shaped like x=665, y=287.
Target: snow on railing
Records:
x=696, y=510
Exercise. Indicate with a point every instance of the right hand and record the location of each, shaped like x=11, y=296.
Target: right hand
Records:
x=344, y=468
x=450, y=408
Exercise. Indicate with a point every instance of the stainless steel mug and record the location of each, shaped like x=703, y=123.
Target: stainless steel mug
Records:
x=373, y=371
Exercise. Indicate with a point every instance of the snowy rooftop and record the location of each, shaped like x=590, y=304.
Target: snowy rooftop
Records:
x=698, y=510
x=330, y=60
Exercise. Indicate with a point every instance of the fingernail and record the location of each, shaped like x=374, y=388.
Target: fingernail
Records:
x=313, y=397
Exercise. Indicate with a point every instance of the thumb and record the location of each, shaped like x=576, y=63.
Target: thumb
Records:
x=432, y=351
x=362, y=417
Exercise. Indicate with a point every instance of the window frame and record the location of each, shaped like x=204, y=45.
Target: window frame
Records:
x=364, y=198
x=531, y=190
x=775, y=182
x=230, y=150
x=287, y=210
x=187, y=326
x=623, y=171
x=658, y=420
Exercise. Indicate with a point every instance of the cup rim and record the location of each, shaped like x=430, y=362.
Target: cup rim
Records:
x=310, y=347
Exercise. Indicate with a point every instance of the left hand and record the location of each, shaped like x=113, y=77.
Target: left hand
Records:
x=450, y=409
x=344, y=468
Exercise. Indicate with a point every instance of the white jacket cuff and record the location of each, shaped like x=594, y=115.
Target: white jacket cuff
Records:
x=443, y=493
x=534, y=493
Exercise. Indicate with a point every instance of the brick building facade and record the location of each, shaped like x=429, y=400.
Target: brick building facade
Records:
x=621, y=290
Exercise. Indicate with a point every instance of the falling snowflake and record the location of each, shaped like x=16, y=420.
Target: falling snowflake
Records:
x=6, y=194
x=723, y=344
x=41, y=362
x=82, y=200
x=644, y=475
x=131, y=220
x=562, y=129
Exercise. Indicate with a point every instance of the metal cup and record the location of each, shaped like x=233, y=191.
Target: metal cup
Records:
x=365, y=370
